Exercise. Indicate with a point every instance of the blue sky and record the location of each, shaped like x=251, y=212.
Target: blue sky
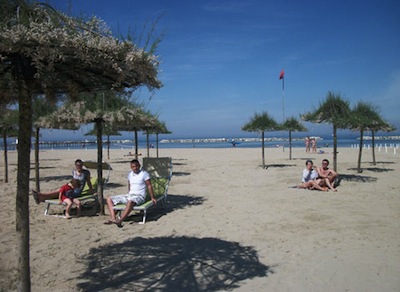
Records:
x=220, y=60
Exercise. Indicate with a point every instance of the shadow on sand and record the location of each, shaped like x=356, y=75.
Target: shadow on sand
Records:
x=278, y=165
x=63, y=178
x=356, y=178
x=373, y=169
x=170, y=264
x=174, y=202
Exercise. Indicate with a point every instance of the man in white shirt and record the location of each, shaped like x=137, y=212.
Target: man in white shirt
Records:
x=138, y=181
x=310, y=178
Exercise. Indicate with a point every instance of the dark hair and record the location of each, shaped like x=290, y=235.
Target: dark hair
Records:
x=309, y=161
x=326, y=160
x=78, y=161
x=75, y=182
x=135, y=161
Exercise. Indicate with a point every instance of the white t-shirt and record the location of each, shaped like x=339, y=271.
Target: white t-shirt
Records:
x=307, y=176
x=137, y=183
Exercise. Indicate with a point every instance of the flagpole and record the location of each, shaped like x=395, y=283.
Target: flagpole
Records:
x=283, y=99
x=282, y=76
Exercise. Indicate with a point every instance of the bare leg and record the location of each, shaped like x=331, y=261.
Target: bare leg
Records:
x=127, y=211
x=305, y=185
x=68, y=208
x=78, y=207
x=110, y=205
x=328, y=183
x=48, y=195
x=317, y=185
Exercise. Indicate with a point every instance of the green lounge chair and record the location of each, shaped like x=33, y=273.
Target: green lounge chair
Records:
x=85, y=198
x=160, y=170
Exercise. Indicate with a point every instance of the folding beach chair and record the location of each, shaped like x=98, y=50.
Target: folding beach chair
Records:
x=86, y=198
x=160, y=170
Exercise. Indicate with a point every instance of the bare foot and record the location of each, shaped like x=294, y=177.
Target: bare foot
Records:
x=119, y=223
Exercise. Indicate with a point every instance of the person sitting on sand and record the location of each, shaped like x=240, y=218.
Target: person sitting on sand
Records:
x=67, y=196
x=327, y=175
x=310, y=178
x=83, y=175
x=138, y=180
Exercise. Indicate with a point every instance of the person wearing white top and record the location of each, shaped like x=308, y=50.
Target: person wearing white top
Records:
x=310, y=178
x=138, y=181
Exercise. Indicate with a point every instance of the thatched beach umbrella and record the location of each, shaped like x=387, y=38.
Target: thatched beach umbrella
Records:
x=135, y=122
x=260, y=123
x=333, y=110
x=292, y=125
x=364, y=117
x=157, y=128
x=107, y=131
x=78, y=113
x=43, y=51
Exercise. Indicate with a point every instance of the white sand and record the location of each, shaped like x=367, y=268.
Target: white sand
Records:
x=229, y=225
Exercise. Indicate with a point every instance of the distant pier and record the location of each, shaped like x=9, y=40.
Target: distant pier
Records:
x=54, y=145
x=66, y=144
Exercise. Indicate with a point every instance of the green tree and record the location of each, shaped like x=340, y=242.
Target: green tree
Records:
x=292, y=125
x=333, y=110
x=47, y=52
x=261, y=123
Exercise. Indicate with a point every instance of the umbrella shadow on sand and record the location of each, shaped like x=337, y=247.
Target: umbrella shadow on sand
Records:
x=170, y=264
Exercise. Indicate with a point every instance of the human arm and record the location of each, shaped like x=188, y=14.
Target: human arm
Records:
x=321, y=172
x=304, y=177
x=89, y=182
x=331, y=175
x=151, y=191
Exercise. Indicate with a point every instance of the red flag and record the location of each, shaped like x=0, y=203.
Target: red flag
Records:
x=282, y=75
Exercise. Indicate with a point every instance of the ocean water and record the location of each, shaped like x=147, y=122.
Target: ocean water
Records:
x=323, y=142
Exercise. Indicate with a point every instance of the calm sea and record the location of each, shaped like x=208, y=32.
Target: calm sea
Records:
x=323, y=142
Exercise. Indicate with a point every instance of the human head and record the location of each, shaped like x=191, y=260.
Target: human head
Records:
x=325, y=162
x=76, y=183
x=135, y=165
x=78, y=163
x=309, y=163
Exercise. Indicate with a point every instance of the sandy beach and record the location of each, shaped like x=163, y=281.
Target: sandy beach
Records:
x=229, y=225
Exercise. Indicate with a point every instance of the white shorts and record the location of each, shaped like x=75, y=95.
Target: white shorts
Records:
x=123, y=199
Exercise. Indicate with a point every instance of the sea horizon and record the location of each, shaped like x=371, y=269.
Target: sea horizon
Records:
x=207, y=142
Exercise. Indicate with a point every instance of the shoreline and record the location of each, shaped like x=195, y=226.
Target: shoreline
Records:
x=85, y=142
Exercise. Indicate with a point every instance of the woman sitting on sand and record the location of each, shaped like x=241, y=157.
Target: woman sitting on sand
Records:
x=83, y=175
